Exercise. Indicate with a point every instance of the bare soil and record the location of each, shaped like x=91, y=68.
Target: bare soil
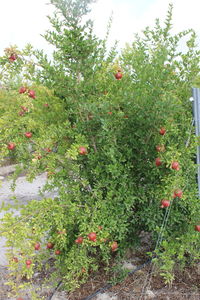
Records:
x=143, y=284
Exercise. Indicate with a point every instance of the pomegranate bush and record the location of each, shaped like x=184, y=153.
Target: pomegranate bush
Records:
x=116, y=138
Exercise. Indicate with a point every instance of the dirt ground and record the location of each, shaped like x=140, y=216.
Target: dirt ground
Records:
x=143, y=284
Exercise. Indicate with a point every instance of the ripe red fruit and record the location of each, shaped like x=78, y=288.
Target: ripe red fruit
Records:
x=24, y=108
x=28, y=262
x=12, y=57
x=82, y=151
x=37, y=246
x=118, y=75
x=175, y=166
x=197, y=228
x=31, y=94
x=79, y=240
x=114, y=246
x=160, y=148
x=47, y=150
x=57, y=252
x=109, y=112
x=50, y=245
x=178, y=193
x=165, y=203
x=162, y=131
x=28, y=134
x=92, y=236
x=22, y=90
x=158, y=162
x=11, y=146
x=21, y=113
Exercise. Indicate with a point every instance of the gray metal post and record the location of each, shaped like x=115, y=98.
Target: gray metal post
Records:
x=196, y=112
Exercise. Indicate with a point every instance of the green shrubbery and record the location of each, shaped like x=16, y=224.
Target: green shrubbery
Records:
x=99, y=140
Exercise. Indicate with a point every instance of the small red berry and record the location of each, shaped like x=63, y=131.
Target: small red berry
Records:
x=50, y=245
x=178, y=193
x=28, y=263
x=114, y=246
x=165, y=203
x=162, y=131
x=197, y=228
x=158, y=162
x=11, y=146
x=37, y=246
x=21, y=113
x=118, y=75
x=31, y=94
x=28, y=134
x=24, y=108
x=92, y=236
x=22, y=90
x=79, y=240
x=13, y=57
x=160, y=148
x=82, y=151
x=175, y=166
x=57, y=252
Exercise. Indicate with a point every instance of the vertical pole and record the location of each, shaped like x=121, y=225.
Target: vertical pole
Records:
x=196, y=112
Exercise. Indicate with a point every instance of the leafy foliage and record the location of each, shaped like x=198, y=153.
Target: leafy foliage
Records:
x=97, y=139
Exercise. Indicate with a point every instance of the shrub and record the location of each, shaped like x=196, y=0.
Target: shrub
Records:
x=98, y=141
